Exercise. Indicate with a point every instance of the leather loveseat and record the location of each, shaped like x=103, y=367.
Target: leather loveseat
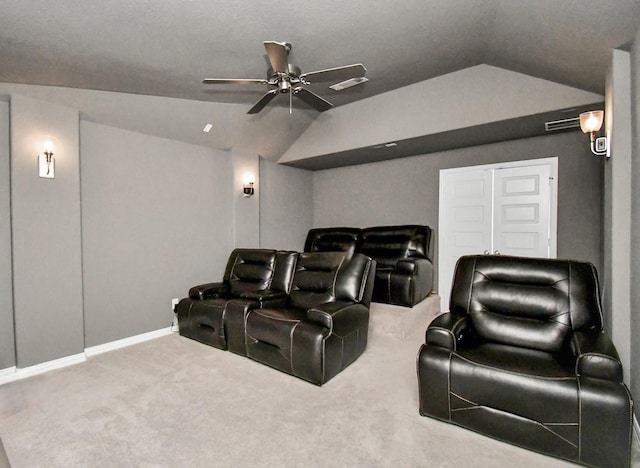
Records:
x=214, y=313
x=403, y=254
x=522, y=357
x=306, y=314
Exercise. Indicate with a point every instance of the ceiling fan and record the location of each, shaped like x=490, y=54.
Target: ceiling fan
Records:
x=288, y=79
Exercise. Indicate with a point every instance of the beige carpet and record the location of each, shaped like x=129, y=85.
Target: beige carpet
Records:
x=173, y=402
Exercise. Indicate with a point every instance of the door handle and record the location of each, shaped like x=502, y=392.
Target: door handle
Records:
x=486, y=252
x=497, y=252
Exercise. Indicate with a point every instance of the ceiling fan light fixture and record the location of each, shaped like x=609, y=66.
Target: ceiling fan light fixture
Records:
x=348, y=83
x=287, y=78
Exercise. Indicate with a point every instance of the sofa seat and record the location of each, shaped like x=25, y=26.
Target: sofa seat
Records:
x=403, y=256
x=521, y=356
x=215, y=313
x=283, y=340
x=324, y=325
x=307, y=316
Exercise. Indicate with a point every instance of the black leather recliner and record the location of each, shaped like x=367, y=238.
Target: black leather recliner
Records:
x=522, y=357
x=403, y=254
x=214, y=313
x=322, y=325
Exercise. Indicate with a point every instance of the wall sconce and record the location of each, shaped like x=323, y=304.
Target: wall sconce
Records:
x=248, y=189
x=590, y=123
x=46, y=162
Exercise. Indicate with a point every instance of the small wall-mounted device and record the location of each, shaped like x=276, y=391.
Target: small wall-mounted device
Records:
x=590, y=123
x=46, y=162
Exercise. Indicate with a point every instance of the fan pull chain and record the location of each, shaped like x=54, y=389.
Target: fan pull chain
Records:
x=290, y=102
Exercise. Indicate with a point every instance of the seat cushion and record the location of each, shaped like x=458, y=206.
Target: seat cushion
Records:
x=274, y=326
x=511, y=380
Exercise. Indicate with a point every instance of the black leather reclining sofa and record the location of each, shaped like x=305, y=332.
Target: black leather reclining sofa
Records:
x=403, y=255
x=522, y=357
x=306, y=314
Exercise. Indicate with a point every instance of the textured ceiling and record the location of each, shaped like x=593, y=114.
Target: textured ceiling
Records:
x=166, y=47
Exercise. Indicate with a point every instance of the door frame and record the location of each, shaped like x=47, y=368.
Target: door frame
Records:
x=553, y=208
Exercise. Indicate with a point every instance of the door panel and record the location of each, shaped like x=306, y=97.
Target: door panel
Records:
x=521, y=225
x=505, y=209
x=467, y=220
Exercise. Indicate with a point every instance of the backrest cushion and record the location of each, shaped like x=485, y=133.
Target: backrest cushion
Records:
x=355, y=280
x=388, y=244
x=314, y=278
x=528, y=302
x=283, y=272
x=339, y=239
x=250, y=269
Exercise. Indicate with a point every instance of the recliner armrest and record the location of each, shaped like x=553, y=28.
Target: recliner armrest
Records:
x=339, y=316
x=596, y=356
x=266, y=297
x=208, y=290
x=412, y=266
x=447, y=330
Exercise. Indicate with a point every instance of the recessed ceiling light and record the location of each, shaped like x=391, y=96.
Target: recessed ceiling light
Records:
x=207, y=128
x=386, y=145
x=348, y=83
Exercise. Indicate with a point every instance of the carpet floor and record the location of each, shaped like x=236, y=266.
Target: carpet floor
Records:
x=174, y=402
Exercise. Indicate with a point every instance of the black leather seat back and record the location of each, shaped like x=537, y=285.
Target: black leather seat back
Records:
x=340, y=239
x=533, y=303
x=250, y=269
x=355, y=280
x=314, y=278
x=283, y=272
x=388, y=244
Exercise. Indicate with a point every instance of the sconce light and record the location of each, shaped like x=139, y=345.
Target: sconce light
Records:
x=46, y=162
x=590, y=123
x=248, y=189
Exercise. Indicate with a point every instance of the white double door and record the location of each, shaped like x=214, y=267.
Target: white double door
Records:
x=505, y=209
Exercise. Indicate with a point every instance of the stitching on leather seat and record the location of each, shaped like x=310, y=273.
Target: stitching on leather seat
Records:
x=536, y=377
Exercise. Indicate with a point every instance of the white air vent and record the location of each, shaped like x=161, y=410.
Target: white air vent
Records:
x=563, y=124
x=348, y=83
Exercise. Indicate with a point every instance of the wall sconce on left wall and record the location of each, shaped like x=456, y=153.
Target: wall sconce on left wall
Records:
x=248, y=190
x=46, y=162
x=247, y=185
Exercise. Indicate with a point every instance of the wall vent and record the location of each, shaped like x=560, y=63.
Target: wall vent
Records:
x=562, y=124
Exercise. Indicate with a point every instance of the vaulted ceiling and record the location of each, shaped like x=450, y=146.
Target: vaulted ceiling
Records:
x=166, y=47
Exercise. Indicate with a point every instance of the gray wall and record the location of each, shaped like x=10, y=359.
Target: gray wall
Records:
x=47, y=260
x=617, y=205
x=156, y=219
x=634, y=371
x=7, y=345
x=286, y=206
x=405, y=191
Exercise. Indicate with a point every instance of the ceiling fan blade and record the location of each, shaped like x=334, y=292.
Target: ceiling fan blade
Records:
x=264, y=100
x=313, y=99
x=335, y=74
x=277, y=52
x=233, y=81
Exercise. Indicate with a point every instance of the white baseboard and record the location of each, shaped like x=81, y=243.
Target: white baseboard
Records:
x=11, y=374
x=113, y=345
x=24, y=372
